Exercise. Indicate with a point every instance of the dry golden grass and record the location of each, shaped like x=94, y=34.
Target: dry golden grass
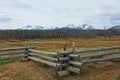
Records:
x=30, y=70
x=57, y=44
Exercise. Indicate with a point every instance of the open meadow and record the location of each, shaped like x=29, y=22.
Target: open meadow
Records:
x=19, y=70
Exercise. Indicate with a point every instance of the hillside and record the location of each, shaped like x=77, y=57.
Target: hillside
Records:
x=115, y=27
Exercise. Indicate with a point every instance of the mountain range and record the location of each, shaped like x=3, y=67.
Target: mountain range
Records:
x=81, y=27
x=115, y=27
x=29, y=27
x=67, y=27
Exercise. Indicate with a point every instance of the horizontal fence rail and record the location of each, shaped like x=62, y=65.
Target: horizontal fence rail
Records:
x=10, y=53
x=98, y=49
x=99, y=60
x=44, y=57
x=93, y=55
x=43, y=61
x=88, y=50
x=42, y=52
x=11, y=57
x=18, y=48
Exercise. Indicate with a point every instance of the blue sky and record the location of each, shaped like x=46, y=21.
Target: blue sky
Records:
x=48, y=13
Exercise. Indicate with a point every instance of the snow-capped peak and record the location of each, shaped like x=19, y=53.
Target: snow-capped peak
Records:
x=70, y=26
x=29, y=27
x=38, y=27
x=86, y=27
x=82, y=27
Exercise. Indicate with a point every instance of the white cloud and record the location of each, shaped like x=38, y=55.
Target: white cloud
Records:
x=49, y=13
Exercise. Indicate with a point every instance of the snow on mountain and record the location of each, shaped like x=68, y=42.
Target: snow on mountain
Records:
x=81, y=27
x=38, y=27
x=29, y=27
x=70, y=26
x=67, y=27
x=87, y=27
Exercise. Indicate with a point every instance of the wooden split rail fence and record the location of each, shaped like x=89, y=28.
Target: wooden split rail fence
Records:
x=65, y=62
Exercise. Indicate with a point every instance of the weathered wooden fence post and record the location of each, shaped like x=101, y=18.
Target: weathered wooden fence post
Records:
x=61, y=71
x=64, y=60
x=73, y=46
x=69, y=61
x=27, y=46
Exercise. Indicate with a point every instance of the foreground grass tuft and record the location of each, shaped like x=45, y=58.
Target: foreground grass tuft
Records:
x=10, y=61
x=21, y=75
x=118, y=78
x=42, y=65
x=6, y=61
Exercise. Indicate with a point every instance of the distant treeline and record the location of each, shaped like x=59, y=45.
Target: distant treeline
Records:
x=42, y=34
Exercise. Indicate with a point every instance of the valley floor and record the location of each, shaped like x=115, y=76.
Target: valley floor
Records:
x=32, y=71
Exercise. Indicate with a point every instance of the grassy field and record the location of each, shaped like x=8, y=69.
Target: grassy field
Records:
x=57, y=44
x=34, y=71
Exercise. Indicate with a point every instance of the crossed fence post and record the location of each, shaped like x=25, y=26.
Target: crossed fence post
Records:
x=64, y=60
x=27, y=46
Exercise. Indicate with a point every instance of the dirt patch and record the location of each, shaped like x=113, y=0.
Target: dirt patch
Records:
x=106, y=73
x=31, y=71
x=25, y=71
